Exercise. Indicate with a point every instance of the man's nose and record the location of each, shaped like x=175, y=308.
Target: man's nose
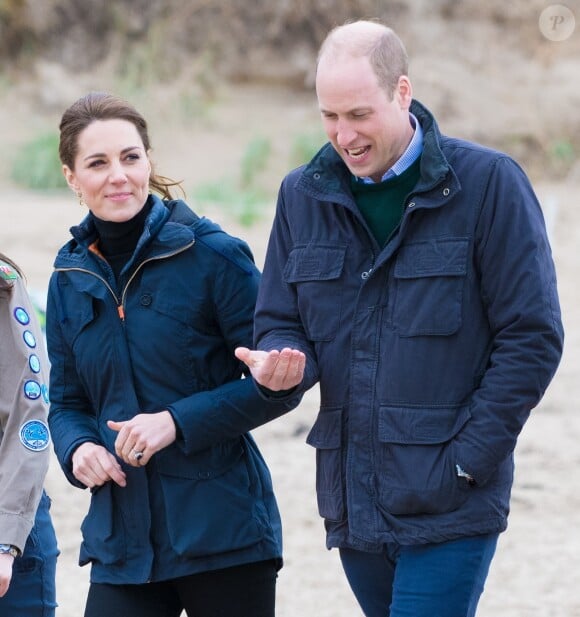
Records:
x=345, y=133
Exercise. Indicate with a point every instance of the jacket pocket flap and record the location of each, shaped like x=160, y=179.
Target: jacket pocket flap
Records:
x=314, y=263
x=326, y=431
x=433, y=258
x=404, y=425
x=204, y=465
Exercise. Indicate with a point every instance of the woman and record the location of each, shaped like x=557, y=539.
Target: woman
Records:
x=28, y=549
x=148, y=406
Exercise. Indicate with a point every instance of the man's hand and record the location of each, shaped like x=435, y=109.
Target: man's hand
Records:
x=6, y=561
x=275, y=370
x=93, y=465
x=142, y=436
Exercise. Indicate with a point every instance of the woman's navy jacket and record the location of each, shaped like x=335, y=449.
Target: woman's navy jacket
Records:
x=164, y=338
x=430, y=351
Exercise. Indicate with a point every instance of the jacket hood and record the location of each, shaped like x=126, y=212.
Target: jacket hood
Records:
x=170, y=223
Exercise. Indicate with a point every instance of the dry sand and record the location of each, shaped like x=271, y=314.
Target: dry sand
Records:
x=535, y=572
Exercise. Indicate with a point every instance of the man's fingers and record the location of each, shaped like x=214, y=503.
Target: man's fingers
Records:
x=276, y=370
x=286, y=371
x=242, y=354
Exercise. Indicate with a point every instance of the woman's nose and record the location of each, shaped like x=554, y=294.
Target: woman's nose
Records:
x=117, y=173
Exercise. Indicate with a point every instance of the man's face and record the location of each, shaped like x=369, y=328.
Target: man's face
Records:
x=369, y=130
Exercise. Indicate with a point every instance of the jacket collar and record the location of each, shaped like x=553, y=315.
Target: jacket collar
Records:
x=169, y=226
x=328, y=177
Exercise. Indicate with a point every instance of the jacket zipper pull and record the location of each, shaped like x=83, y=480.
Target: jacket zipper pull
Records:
x=121, y=312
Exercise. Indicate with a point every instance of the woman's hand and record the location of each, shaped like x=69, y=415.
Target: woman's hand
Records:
x=142, y=436
x=275, y=370
x=93, y=465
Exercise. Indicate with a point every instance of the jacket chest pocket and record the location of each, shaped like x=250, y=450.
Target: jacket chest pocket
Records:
x=429, y=281
x=315, y=271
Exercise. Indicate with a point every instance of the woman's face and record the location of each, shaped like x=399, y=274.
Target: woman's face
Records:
x=111, y=170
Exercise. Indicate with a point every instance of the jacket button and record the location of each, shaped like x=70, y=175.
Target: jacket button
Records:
x=316, y=176
x=411, y=204
x=146, y=299
x=446, y=191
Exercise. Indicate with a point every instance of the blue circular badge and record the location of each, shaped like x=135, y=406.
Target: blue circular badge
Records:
x=21, y=316
x=44, y=391
x=29, y=338
x=34, y=363
x=32, y=389
x=34, y=435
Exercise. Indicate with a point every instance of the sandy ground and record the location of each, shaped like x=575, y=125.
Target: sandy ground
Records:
x=536, y=568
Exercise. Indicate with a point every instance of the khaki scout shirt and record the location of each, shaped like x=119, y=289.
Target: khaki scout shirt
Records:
x=24, y=436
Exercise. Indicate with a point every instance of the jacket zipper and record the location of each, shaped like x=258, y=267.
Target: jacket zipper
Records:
x=98, y=276
x=120, y=306
x=120, y=302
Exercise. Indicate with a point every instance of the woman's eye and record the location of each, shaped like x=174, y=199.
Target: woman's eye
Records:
x=96, y=163
x=133, y=157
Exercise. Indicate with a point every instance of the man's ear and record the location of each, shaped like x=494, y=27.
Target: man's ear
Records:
x=404, y=92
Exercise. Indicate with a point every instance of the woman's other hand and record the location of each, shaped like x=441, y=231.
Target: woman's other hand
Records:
x=142, y=436
x=93, y=465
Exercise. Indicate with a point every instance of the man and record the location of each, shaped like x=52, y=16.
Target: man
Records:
x=410, y=274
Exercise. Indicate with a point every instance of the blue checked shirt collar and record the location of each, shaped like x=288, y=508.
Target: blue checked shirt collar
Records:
x=411, y=154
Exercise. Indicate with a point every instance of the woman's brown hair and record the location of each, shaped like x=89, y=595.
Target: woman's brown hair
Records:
x=102, y=106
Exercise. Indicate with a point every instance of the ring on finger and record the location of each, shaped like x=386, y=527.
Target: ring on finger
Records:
x=137, y=455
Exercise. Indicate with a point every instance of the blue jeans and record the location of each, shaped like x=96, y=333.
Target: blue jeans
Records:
x=32, y=588
x=428, y=580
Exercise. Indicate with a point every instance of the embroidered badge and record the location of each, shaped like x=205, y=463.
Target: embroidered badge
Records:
x=22, y=317
x=44, y=391
x=32, y=389
x=7, y=273
x=34, y=363
x=29, y=338
x=34, y=435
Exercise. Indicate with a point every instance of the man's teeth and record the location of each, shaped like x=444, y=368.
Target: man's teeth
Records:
x=357, y=152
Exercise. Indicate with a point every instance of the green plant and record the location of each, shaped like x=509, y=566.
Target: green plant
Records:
x=254, y=160
x=37, y=166
x=245, y=205
x=305, y=146
x=241, y=197
x=562, y=152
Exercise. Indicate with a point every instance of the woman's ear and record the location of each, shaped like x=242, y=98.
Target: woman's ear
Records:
x=70, y=178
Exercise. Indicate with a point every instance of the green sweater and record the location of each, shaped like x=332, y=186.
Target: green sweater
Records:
x=382, y=204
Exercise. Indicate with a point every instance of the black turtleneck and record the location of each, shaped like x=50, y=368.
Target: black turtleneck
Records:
x=117, y=241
